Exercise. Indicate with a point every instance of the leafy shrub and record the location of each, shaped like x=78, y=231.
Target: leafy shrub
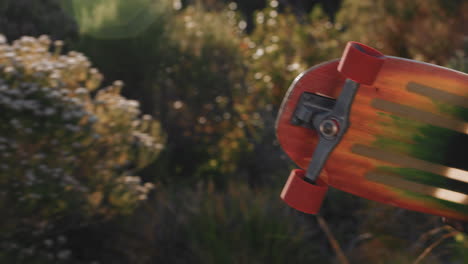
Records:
x=203, y=225
x=33, y=18
x=278, y=49
x=423, y=30
x=460, y=60
x=187, y=69
x=136, y=53
x=202, y=86
x=68, y=150
x=247, y=226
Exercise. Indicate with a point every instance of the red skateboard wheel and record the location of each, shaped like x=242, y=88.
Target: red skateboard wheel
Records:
x=301, y=195
x=360, y=63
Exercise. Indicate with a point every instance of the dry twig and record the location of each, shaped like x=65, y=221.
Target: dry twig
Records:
x=333, y=242
x=433, y=245
x=427, y=235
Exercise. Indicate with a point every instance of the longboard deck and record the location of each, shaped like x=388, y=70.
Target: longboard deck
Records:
x=407, y=139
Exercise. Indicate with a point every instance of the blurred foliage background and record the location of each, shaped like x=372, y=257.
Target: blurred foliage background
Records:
x=184, y=93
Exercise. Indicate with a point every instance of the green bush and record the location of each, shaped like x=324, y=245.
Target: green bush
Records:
x=183, y=67
x=68, y=149
x=425, y=30
x=460, y=60
x=279, y=48
x=203, y=84
x=203, y=225
x=187, y=69
x=33, y=18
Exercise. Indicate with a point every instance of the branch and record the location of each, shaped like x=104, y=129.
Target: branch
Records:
x=427, y=235
x=333, y=242
x=433, y=245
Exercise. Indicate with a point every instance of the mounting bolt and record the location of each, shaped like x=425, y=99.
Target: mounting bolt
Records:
x=329, y=128
x=295, y=121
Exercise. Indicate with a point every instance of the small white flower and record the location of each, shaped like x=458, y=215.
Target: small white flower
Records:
x=28, y=251
x=49, y=111
x=93, y=119
x=39, y=156
x=293, y=67
x=54, y=94
x=30, y=176
x=15, y=123
x=149, y=185
x=62, y=239
x=178, y=105
x=48, y=242
x=64, y=254
x=9, y=69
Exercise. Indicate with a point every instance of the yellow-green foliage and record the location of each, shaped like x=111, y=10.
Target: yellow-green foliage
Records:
x=420, y=29
x=202, y=83
x=246, y=226
x=281, y=47
x=68, y=149
x=259, y=68
x=203, y=225
x=460, y=60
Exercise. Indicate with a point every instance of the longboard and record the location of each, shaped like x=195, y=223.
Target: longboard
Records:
x=384, y=128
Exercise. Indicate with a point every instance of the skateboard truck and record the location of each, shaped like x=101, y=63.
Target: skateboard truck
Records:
x=330, y=118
